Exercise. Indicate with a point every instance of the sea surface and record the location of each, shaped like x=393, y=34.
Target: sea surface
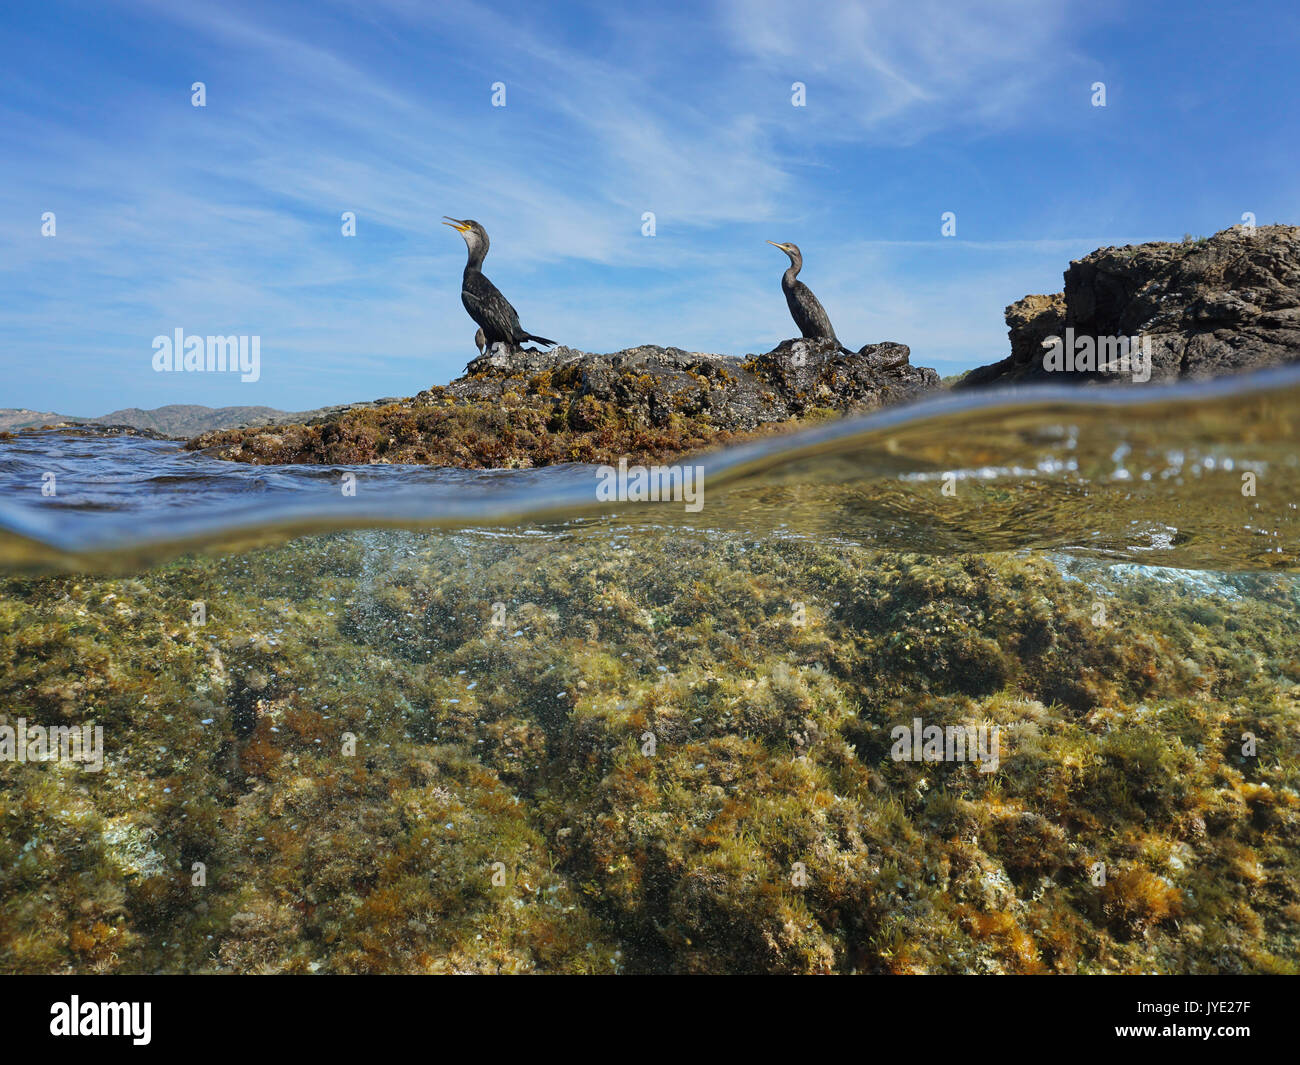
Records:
x=400, y=719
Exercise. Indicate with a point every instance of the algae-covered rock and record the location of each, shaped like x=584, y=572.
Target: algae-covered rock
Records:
x=519, y=408
x=427, y=753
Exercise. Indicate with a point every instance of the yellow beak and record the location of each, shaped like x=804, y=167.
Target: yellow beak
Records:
x=460, y=227
x=776, y=245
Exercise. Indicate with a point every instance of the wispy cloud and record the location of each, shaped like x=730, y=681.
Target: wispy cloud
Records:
x=904, y=69
x=227, y=218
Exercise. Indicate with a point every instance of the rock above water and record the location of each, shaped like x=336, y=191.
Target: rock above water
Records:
x=1223, y=305
x=533, y=408
x=654, y=383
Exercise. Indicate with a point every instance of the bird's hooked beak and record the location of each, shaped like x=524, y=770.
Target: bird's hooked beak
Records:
x=776, y=245
x=456, y=224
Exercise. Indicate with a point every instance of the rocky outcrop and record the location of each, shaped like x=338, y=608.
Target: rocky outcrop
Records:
x=654, y=383
x=1222, y=305
x=1031, y=320
x=532, y=408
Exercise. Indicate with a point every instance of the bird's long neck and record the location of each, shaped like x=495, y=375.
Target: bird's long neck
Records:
x=476, y=256
x=787, y=279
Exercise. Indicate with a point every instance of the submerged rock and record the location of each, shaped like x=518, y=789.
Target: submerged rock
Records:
x=410, y=793
x=1222, y=305
x=535, y=408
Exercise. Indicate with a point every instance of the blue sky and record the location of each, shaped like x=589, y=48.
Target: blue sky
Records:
x=226, y=219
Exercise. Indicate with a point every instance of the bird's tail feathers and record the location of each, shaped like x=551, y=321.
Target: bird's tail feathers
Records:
x=539, y=340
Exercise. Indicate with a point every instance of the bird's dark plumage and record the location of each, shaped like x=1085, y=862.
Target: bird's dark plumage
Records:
x=497, y=320
x=806, y=310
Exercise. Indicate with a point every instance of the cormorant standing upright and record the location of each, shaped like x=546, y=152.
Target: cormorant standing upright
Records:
x=808, y=314
x=498, y=321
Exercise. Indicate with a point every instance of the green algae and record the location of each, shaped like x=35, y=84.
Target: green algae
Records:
x=575, y=756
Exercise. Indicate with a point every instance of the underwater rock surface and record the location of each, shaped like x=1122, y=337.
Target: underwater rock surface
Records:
x=527, y=408
x=1222, y=305
x=397, y=752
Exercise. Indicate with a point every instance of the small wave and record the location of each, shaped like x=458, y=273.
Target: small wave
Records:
x=1199, y=476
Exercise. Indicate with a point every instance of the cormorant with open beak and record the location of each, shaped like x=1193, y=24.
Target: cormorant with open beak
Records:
x=808, y=314
x=498, y=321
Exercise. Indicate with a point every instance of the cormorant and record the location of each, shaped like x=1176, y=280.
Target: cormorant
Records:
x=498, y=321
x=808, y=314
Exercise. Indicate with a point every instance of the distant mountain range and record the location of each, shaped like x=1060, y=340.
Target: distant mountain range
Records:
x=176, y=419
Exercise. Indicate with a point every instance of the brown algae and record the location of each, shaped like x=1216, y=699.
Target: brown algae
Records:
x=434, y=753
